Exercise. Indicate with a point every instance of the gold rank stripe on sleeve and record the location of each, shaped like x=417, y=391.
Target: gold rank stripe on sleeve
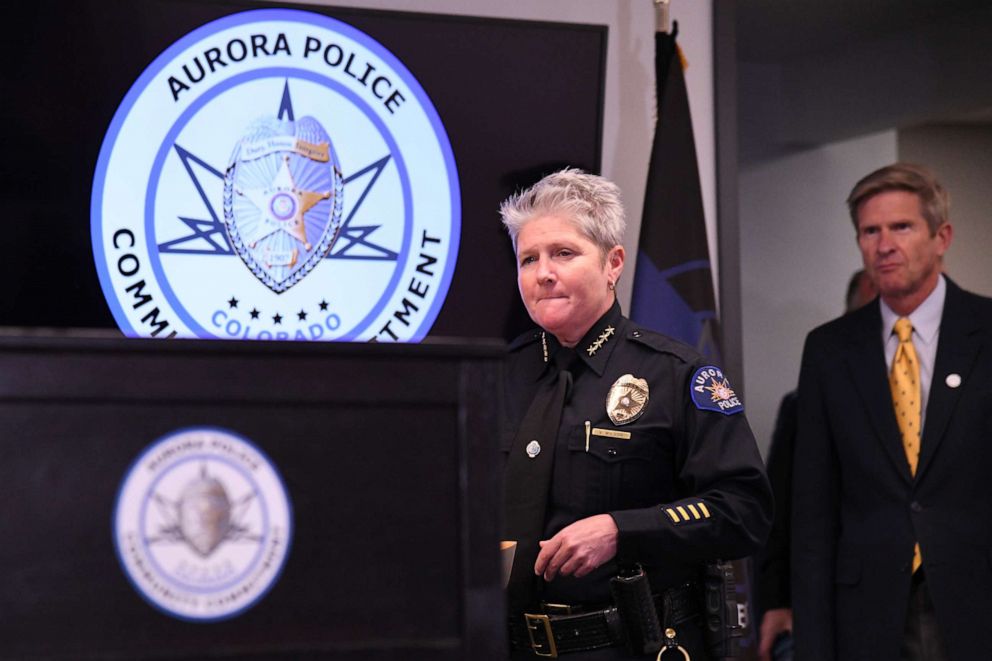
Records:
x=687, y=512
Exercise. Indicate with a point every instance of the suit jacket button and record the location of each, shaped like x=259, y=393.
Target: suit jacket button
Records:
x=915, y=506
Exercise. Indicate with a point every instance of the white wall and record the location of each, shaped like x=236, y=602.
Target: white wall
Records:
x=961, y=156
x=629, y=109
x=798, y=251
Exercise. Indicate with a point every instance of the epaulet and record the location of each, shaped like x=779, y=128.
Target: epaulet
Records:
x=662, y=343
x=524, y=339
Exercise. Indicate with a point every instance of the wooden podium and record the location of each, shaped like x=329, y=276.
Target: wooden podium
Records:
x=388, y=454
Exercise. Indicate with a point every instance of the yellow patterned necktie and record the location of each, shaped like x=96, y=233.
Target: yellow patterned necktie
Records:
x=904, y=380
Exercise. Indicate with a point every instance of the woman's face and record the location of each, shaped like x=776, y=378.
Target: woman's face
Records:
x=564, y=278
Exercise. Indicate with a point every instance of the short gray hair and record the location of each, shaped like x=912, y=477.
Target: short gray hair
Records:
x=589, y=201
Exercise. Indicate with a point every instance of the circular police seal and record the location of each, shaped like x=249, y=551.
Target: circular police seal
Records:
x=276, y=174
x=202, y=524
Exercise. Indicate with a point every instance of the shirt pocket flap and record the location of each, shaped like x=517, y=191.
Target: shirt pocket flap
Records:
x=612, y=445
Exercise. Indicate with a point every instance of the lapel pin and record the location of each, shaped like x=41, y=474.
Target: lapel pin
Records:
x=533, y=449
x=953, y=380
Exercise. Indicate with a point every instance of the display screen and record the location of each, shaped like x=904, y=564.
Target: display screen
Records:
x=344, y=166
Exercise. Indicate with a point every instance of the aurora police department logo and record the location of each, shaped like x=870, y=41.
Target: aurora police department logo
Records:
x=711, y=391
x=276, y=174
x=203, y=524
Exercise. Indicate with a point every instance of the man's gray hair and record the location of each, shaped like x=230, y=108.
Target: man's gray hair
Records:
x=589, y=201
x=935, y=203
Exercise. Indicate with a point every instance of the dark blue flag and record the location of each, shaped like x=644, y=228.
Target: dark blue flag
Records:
x=673, y=286
x=673, y=283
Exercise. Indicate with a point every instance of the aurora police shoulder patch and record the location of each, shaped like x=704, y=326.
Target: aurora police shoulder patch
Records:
x=711, y=391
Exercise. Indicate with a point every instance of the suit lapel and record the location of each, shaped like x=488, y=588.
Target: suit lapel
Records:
x=957, y=349
x=866, y=359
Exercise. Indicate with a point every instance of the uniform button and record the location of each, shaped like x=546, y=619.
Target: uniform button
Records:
x=915, y=506
x=636, y=333
x=612, y=452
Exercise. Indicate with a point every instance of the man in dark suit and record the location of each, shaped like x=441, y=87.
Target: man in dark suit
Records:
x=892, y=529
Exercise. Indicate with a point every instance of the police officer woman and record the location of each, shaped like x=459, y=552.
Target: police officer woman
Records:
x=629, y=463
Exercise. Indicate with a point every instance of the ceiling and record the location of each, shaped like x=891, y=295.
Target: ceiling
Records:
x=816, y=71
x=775, y=30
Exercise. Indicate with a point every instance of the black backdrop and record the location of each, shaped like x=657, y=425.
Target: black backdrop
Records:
x=518, y=99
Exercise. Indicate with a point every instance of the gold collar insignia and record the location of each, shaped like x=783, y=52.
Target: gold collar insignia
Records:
x=600, y=341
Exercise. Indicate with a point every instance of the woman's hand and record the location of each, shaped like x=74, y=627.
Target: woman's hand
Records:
x=578, y=548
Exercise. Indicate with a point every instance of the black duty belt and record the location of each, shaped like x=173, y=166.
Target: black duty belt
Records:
x=561, y=629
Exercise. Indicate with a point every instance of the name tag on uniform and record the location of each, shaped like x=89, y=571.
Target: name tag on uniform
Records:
x=611, y=433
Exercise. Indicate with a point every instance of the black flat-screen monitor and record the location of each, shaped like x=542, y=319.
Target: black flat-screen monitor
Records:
x=513, y=100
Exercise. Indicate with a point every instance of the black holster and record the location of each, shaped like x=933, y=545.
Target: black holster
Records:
x=636, y=606
x=726, y=617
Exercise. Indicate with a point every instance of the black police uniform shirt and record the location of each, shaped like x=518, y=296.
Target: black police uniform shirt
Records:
x=682, y=479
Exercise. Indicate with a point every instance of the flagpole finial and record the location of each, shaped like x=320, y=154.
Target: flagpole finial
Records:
x=662, y=7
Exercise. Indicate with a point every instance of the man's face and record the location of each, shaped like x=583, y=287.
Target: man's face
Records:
x=900, y=255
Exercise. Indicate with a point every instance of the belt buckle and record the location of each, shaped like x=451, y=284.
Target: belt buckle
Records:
x=538, y=623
